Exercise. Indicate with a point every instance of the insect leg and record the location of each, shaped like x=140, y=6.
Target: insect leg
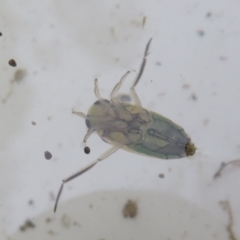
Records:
x=85, y=169
x=135, y=82
x=89, y=132
x=96, y=89
x=118, y=85
x=83, y=115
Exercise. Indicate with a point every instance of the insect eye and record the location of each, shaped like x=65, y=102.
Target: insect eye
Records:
x=87, y=150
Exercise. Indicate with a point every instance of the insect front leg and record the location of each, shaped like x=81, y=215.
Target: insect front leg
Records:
x=85, y=169
x=83, y=115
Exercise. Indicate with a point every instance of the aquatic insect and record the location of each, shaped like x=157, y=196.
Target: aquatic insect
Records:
x=132, y=128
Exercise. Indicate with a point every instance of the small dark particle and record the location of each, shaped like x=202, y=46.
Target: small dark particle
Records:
x=194, y=97
x=48, y=155
x=87, y=150
x=48, y=220
x=144, y=21
x=0, y=34
x=222, y=58
x=208, y=14
x=30, y=202
x=200, y=33
x=206, y=121
x=158, y=64
x=26, y=225
x=161, y=175
x=186, y=86
x=130, y=209
x=33, y=123
x=12, y=63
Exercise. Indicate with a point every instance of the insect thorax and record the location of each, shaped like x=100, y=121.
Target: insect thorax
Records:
x=117, y=122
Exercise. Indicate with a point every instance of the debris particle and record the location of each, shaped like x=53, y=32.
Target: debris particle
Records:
x=130, y=209
x=0, y=34
x=30, y=202
x=206, y=121
x=227, y=207
x=87, y=150
x=48, y=155
x=19, y=75
x=48, y=220
x=200, y=33
x=222, y=58
x=194, y=96
x=33, y=123
x=186, y=86
x=66, y=221
x=208, y=14
x=158, y=63
x=26, y=225
x=161, y=175
x=235, y=163
x=51, y=232
x=90, y=205
x=52, y=196
x=12, y=63
x=144, y=21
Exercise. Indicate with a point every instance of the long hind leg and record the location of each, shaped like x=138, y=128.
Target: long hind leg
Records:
x=85, y=169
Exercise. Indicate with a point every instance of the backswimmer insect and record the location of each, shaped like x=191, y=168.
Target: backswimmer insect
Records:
x=132, y=128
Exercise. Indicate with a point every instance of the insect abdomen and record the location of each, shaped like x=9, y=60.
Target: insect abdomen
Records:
x=164, y=139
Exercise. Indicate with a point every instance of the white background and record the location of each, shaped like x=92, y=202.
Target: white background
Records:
x=63, y=46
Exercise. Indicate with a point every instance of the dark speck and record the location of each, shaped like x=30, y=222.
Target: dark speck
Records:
x=161, y=175
x=0, y=34
x=194, y=97
x=26, y=225
x=107, y=101
x=208, y=14
x=48, y=155
x=12, y=63
x=87, y=150
x=200, y=33
x=33, y=123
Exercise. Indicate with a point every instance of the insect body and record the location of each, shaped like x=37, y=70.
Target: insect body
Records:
x=132, y=128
